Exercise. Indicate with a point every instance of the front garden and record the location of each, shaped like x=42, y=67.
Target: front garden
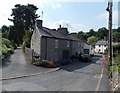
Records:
x=53, y=63
x=64, y=61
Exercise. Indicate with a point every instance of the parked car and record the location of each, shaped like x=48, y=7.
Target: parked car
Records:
x=86, y=57
x=76, y=58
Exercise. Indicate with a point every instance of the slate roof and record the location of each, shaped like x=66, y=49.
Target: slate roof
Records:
x=116, y=43
x=102, y=42
x=55, y=34
x=70, y=37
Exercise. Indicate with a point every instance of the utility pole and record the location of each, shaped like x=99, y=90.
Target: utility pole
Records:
x=109, y=9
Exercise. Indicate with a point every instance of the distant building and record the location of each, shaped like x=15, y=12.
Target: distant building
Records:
x=88, y=49
x=101, y=46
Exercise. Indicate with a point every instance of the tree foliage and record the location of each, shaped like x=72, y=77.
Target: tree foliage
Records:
x=82, y=35
x=24, y=17
x=102, y=33
x=92, y=40
x=5, y=31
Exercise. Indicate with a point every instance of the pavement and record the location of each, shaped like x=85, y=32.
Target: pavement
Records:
x=78, y=76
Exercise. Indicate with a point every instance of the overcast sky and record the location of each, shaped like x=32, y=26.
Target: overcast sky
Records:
x=77, y=15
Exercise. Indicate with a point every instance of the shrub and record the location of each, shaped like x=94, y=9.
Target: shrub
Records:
x=116, y=48
x=115, y=66
x=117, y=63
x=51, y=64
x=26, y=40
x=41, y=63
x=6, y=49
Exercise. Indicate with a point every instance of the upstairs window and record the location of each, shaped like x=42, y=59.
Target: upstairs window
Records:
x=56, y=43
x=99, y=45
x=68, y=43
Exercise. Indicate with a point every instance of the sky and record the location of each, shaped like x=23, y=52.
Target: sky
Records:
x=76, y=15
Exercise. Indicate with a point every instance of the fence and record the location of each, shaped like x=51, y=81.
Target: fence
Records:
x=32, y=54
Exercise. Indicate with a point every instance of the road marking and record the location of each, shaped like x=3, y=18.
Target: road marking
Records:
x=30, y=75
x=98, y=86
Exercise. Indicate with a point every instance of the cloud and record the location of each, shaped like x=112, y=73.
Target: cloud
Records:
x=106, y=15
x=5, y=8
x=72, y=27
x=55, y=5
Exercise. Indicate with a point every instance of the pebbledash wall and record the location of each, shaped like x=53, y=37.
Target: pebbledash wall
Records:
x=49, y=44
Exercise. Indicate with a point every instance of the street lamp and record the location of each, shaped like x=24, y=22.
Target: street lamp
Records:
x=109, y=9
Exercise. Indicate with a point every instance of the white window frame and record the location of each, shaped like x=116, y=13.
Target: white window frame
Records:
x=68, y=43
x=56, y=43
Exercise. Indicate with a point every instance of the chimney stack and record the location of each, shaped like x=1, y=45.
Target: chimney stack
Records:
x=63, y=30
x=38, y=23
x=59, y=26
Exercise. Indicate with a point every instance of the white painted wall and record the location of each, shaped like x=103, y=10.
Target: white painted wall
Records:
x=100, y=48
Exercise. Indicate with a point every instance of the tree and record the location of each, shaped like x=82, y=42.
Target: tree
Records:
x=24, y=17
x=116, y=36
x=5, y=31
x=82, y=35
x=102, y=33
x=92, y=40
x=4, y=28
x=91, y=33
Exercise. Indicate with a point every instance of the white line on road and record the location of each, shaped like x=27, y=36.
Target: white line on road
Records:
x=98, y=86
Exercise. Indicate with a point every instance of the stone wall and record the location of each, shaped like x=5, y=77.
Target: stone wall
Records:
x=29, y=53
x=115, y=81
x=36, y=41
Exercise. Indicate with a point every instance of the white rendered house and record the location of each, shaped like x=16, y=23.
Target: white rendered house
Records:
x=101, y=46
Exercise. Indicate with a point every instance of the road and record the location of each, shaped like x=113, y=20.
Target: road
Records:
x=78, y=76
x=17, y=65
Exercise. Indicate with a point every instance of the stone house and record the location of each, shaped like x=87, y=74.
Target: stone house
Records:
x=50, y=43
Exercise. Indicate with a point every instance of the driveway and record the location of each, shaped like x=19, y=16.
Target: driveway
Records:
x=17, y=65
x=77, y=76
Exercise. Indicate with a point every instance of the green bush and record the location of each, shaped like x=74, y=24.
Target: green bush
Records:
x=6, y=48
x=116, y=48
x=115, y=66
x=117, y=63
x=41, y=63
x=26, y=40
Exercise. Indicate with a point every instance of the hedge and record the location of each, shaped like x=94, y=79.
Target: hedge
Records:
x=6, y=48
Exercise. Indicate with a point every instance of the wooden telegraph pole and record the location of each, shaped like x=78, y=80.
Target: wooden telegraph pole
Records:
x=109, y=9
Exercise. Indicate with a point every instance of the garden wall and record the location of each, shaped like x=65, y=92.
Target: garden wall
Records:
x=33, y=56
x=29, y=53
